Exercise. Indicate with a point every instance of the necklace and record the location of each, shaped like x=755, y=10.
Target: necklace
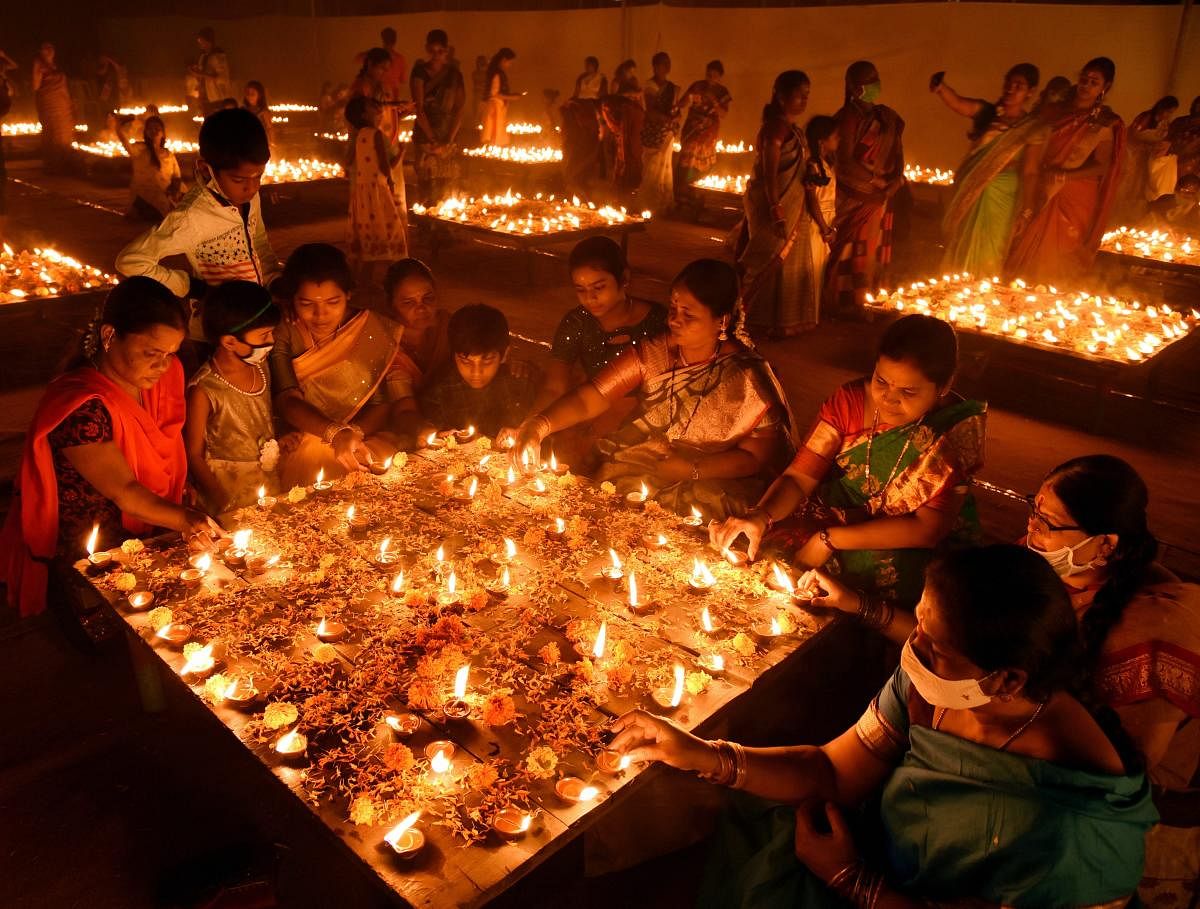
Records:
x=699, y=397
x=940, y=713
x=873, y=494
x=262, y=381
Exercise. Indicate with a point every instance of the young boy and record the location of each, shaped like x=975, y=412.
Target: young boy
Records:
x=217, y=226
x=478, y=389
x=229, y=434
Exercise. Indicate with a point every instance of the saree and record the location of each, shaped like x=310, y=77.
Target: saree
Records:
x=150, y=438
x=698, y=410
x=624, y=118
x=1146, y=174
x=657, y=192
x=863, y=244
x=701, y=129
x=56, y=113
x=1061, y=241
x=440, y=105
x=926, y=461
x=338, y=378
x=956, y=820
x=582, y=149
x=978, y=222
x=778, y=273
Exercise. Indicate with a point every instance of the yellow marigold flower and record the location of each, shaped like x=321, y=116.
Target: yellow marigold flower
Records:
x=324, y=653
x=541, y=762
x=279, y=714
x=362, y=811
x=214, y=688
x=159, y=617
x=499, y=710
x=697, y=681
x=297, y=494
x=608, y=488
x=125, y=582
x=550, y=653
x=398, y=757
x=133, y=546
x=743, y=643
x=787, y=624
x=481, y=776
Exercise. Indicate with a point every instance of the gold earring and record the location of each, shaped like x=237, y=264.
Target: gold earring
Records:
x=722, y=336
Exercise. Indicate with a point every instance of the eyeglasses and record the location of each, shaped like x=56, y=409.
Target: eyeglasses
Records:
x=1044, y=522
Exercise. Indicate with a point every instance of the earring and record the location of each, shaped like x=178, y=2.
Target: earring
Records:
x=722, y=336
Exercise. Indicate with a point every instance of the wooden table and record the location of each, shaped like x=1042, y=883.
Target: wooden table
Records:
x=398, y=642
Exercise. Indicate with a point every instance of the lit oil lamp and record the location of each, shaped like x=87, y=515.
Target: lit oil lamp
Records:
x=767, y=630
x=481, y=469
x=637, y=498
x=558, y=528
x=97, y=561
x=199, y=665
x=329, y=632
x=637, y=603
x=140, y=600
x=397, y=585
x=260, y=563
x=655, y=541
x=175, y=634
x=601, y=640
x=807, y=588
x=385, y=558
x=707, y=625
x=733, y=557
x=356, y=522
x=449, y=595
x=402, y=724
x=537, y=487
x=264, y=500
x=713, y=664
x=694, y=519
x=382, y=467
x=510, y=478
x=508, y=553
x=614, y=572
x=556, y=468
x=291, y=746
x=235, y=555
x=502, y=584
x=405, y=839
x=780, y=580
x=464, y=435
x=612, y=762
x=458, y=708
x=511, y=823
x=321, y=484
x=441, y=760
x=573, y=789
x=467, y=494
x=192, y=577
x=701, y=580
x=669, y=698
x=240, y=692
x=433, y=440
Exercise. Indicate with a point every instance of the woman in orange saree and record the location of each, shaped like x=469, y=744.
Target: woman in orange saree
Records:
x=623, y=114
x=1069, y=183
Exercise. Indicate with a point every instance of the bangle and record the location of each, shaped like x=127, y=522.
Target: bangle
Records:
x=695, y=471
x=824, y=537
x=726, y=772
x=758, y=509
x=539, y=424
x=739, y=762
x=331, y=432
x=875, y=612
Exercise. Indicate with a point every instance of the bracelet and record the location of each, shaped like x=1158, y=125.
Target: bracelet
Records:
x=740, y=768
x=542, y=424
x=824, y=537
x=760, y=510
x=331, y=432
x=858, y=884
x=875, y=612
x=726, y=764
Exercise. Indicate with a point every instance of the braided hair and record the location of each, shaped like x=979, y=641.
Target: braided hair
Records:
x=1105, y=495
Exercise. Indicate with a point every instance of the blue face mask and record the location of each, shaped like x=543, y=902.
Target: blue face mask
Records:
x=870, y=93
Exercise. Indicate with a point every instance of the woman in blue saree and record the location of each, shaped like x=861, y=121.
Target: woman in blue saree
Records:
x=988, y=783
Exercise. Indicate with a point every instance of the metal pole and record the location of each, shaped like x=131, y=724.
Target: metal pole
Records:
x=1184, y=22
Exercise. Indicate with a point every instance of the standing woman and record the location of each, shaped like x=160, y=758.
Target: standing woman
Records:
x=54, y=108
x=496, y=98
x=623, y=114
x=978, y=223
x=658, y=137
x=156, y=184
x=1069, y=182
x=373, y=82
x=870, y=171
x=254, y=99
x=439, y=94
x=105, y=448
x=707, y=104
x=776, y=263
x=211, y=71
x=1150, y=171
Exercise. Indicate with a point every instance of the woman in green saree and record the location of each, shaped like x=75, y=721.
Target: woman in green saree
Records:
x=883, y=476
x=711, y=424
x=986, y=781
x=978, y=223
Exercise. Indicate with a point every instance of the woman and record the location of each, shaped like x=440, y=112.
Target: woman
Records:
x=1141, y=634
x=707, y=102
x=112, y=83
x=254, y=99
x=657, y=192
x=54, y=108
x=883, y=477
x=711, y=423
x=1150, y=171
x=104, y=448
x=623, y=115
x=424, y=347
x=157, y=183
x=496, y=98
x=1068, y=183
x=211, y=72
x=439, y=96
x=978, y=222
x=776, y=257
x=373, y=82
x=870, y=171
x=327, y=371
x=984, y=779
x=1184, y=136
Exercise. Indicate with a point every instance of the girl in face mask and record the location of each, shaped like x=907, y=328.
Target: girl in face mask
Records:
x=1141, y=631
x=990, y=781
x=229, y=433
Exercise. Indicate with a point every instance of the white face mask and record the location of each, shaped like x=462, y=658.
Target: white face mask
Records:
x=953, y=694
x=257, y=354
x=1062, y=560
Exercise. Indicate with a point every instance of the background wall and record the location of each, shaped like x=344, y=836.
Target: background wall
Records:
x=975, y=43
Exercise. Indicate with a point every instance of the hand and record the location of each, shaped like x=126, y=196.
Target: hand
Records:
x=824, y=853
x=828, y=593
x=527, y=453
x=641, y=736
x=506, y=437
x=879, y=183
x=829, y=234
x=672, y=469
x=936, y=80
x=348, y=448
x=199, y=530
x=752, y=527
x=814, y=553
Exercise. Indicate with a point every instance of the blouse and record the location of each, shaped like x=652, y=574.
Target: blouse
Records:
x=580, y=338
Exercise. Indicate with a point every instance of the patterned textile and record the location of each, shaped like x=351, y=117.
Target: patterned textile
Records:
x=701, y=128
x=581, y=340
x=450, y=403
x=80, y=505
x=378, y=218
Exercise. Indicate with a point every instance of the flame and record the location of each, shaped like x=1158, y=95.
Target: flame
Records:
x=718, y=662
x=724, y=184
x=203, y=562
x=393, y=722
x=439, y=763
x=616, y=559
x=526, y=820
x=776, y=628
x=387, y=462
x=460, y=681
x=398, y=582
x=484, y=461
x=262, y=492
x=706, y=620
x=645, y=492
x=92, y=537
x=677, y=694
x=241, y=538
x=200, y=661
x=701, y=576
x=274, y=560
x=588, y=793
x=782, y=578
x=601, y=636
x=505, y=577
x=662, y=540
x=539, y=485
x=288, y=742
x=349, y=514
x=321, y=475
x=633, y=591
x=383, y=548
x=553, y=461
x=451, y=582
x=440, y=555
x=914, y=173
x=560, y=526
x=470, y=431
x=473, y=488
x=392, y=837
x=510, y=549
x=512, y=477
x=430, y=439
x=321, y=628
x=696, y=513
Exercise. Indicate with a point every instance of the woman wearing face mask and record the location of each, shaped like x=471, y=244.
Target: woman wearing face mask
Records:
x=870, y=171
x=710, y=424
x=986, y=779
x=328, y=369
x=883, y=477
x=1069, y=182
x=978, y=223
x=776, y=259
x=104, y=449
x=1141, y=633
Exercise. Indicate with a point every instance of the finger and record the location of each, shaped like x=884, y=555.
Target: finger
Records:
x=752, y=543
x=645, y=754
x=837, y=823
x=629, y=739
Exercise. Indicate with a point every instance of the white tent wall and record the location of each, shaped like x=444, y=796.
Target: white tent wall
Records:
x=974, y=42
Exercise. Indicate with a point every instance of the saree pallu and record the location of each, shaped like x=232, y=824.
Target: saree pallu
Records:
x=624, y=117
x=699, y=410
x=778, y=273
x=495, y=122
x=1061, y=241
x=701, y=129
x=150, y=439
x=978, y=223
x=657, y=192
x=338, y=379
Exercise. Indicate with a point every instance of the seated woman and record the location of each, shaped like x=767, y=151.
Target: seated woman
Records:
x=327, y=371
x=156, y=184
x=711, y=423
x=883, y=476
x=984, y=780
x=105, y=448
x=1141, y=634
x=424, y=346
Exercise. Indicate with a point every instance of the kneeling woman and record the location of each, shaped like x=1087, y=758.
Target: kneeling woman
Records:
x=105, y=448
x=327, y=371
x=989, y=782
x=882, y=478
x=711, y=423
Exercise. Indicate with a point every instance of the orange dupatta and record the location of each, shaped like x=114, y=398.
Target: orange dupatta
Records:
x=150, y=437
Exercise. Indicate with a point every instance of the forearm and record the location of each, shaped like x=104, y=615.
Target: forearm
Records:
x=790, y=774
x=583, y=404
x=786, y=494
x=908, y=531
x=301, y=415
x=554, y=385
x=726, y=465
x=373, y=419
x=137, y=501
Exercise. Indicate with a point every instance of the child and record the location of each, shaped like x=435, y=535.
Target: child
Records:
x=820, y=188
x=254, y=99
x=229, y=433
x=479, y=389
x=378, y=224
x=218, y=225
